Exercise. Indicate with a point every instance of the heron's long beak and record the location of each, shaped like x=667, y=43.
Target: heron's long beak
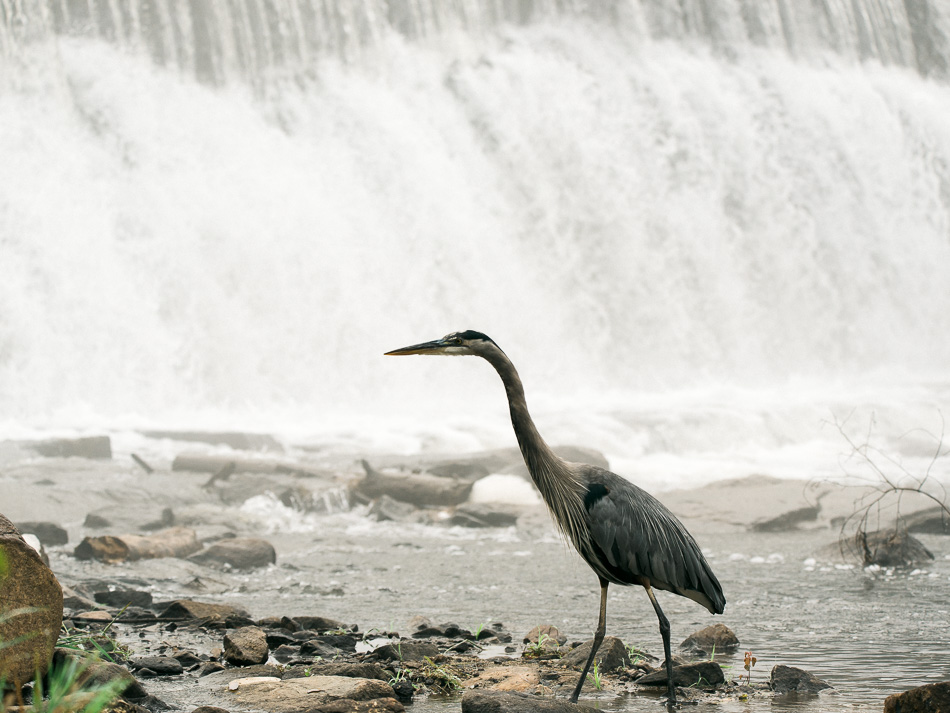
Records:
x=434, y=347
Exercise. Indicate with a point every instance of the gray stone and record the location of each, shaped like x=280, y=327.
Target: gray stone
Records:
x=350, y=670
x=124, y=597
x=611, y=655
x=788, y=679
x=406, y=650
x=160, y=665
x=190, y=609
x=787, y=521
x=32, y=602
x=717, y=637
x=48, y=533
x=703, y=673
x=478, y=701
x=932, y=521
x=932, y=698
x=245, y=646
x=549, y=631
x=237, y=553
x=318, y=623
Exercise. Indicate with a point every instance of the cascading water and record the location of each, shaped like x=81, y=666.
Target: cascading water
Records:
x=224, y=211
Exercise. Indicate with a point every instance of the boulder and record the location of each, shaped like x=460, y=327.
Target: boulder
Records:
x=96, y=447
x=246, y=646
x=788, y=679
x=703, y=673
x=611, y=655
x=31, y=604
x=932, y=698
x=190, y=609
x=313, y=694
x=48, y=533
x=891, y=548
x=717, y=637
x=478, y=701
x=237, y=553
x=173, y=542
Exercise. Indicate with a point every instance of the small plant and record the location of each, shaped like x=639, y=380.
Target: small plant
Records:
x=634, y=653
x=595, y=676
x=443, y=678
x=477, y=631
x=544, y=645
x=748, y=664
x=402, y=674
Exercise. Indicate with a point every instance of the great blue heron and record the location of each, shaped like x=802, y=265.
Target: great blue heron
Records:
x=625, y=534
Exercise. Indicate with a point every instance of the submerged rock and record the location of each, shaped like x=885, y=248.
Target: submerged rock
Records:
x=932, y=698
x=32, y=601
x=237, y=553
x=788, y=679
x=717, y=637
x=702, y=673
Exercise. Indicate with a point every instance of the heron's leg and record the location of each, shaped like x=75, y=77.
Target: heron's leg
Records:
x=665, y=633
x=598, y=638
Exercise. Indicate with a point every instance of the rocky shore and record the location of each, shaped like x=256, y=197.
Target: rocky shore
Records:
x=122, y=531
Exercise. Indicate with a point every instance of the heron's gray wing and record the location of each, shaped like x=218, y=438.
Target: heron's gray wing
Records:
x=635, y=539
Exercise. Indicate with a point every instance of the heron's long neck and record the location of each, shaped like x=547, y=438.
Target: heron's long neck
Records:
x=549, y=472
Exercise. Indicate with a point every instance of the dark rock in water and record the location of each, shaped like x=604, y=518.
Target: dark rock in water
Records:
x=788, y=679
x=717, y=637
x=932, y=698
x=122, y=597
x=286, y=652
x=479, y=701
x=932, y=521
x=549, y=631
x=236, y=440
x=385, y=508
x=209, y=667
x=703, y=673
x=76, y=601
x=415, y=488
x=319, y=649
x=96, y=522
x=245, y=646
x=611, y=655
x=29, y=636
x=278, y=637
x=890, y=548
x=167, y=519
x=210, y=709
x=787, y=521
x=95, y=447
x=190, y=609
x=406, y=650
x=320, y=623
x=187, y=659
x=482, y=515
x=237, y=553
x=47, y=532
x=350, y=670
x=159, y=665
x=173, y=542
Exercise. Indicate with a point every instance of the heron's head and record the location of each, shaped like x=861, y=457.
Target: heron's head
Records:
x=467, y=343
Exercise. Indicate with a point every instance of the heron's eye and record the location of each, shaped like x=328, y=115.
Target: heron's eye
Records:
x=457, y=340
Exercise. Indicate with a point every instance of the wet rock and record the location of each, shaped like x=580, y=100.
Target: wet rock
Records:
x=319, y=623
x=237, y=553
x=506, y=678
x=890, y=548
x=166, y=519
x=236, y=440
x=416, y=488
x=703, y=673
x=173, y=542
x=788, y=679
x=158, y=665
x=286, y=653
x=932, y=521
x=611, y=655
x=210, y=709
x=96, y=522
x=48, y=533
x=190, y=609
x=478, y=701
x=717, y=637
x=447, y=631
x=932, y=698
x=245, y=646
x=206, y=669
x=124, y=597
x=549, y=631
x=75, y=601
x=95, y=447
x=26, y=582
x=787, y=521
x=386, y=509
x=314, y=694
x=100, y=673
x=350, y=670
x=406, y=650
x=483, y=515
